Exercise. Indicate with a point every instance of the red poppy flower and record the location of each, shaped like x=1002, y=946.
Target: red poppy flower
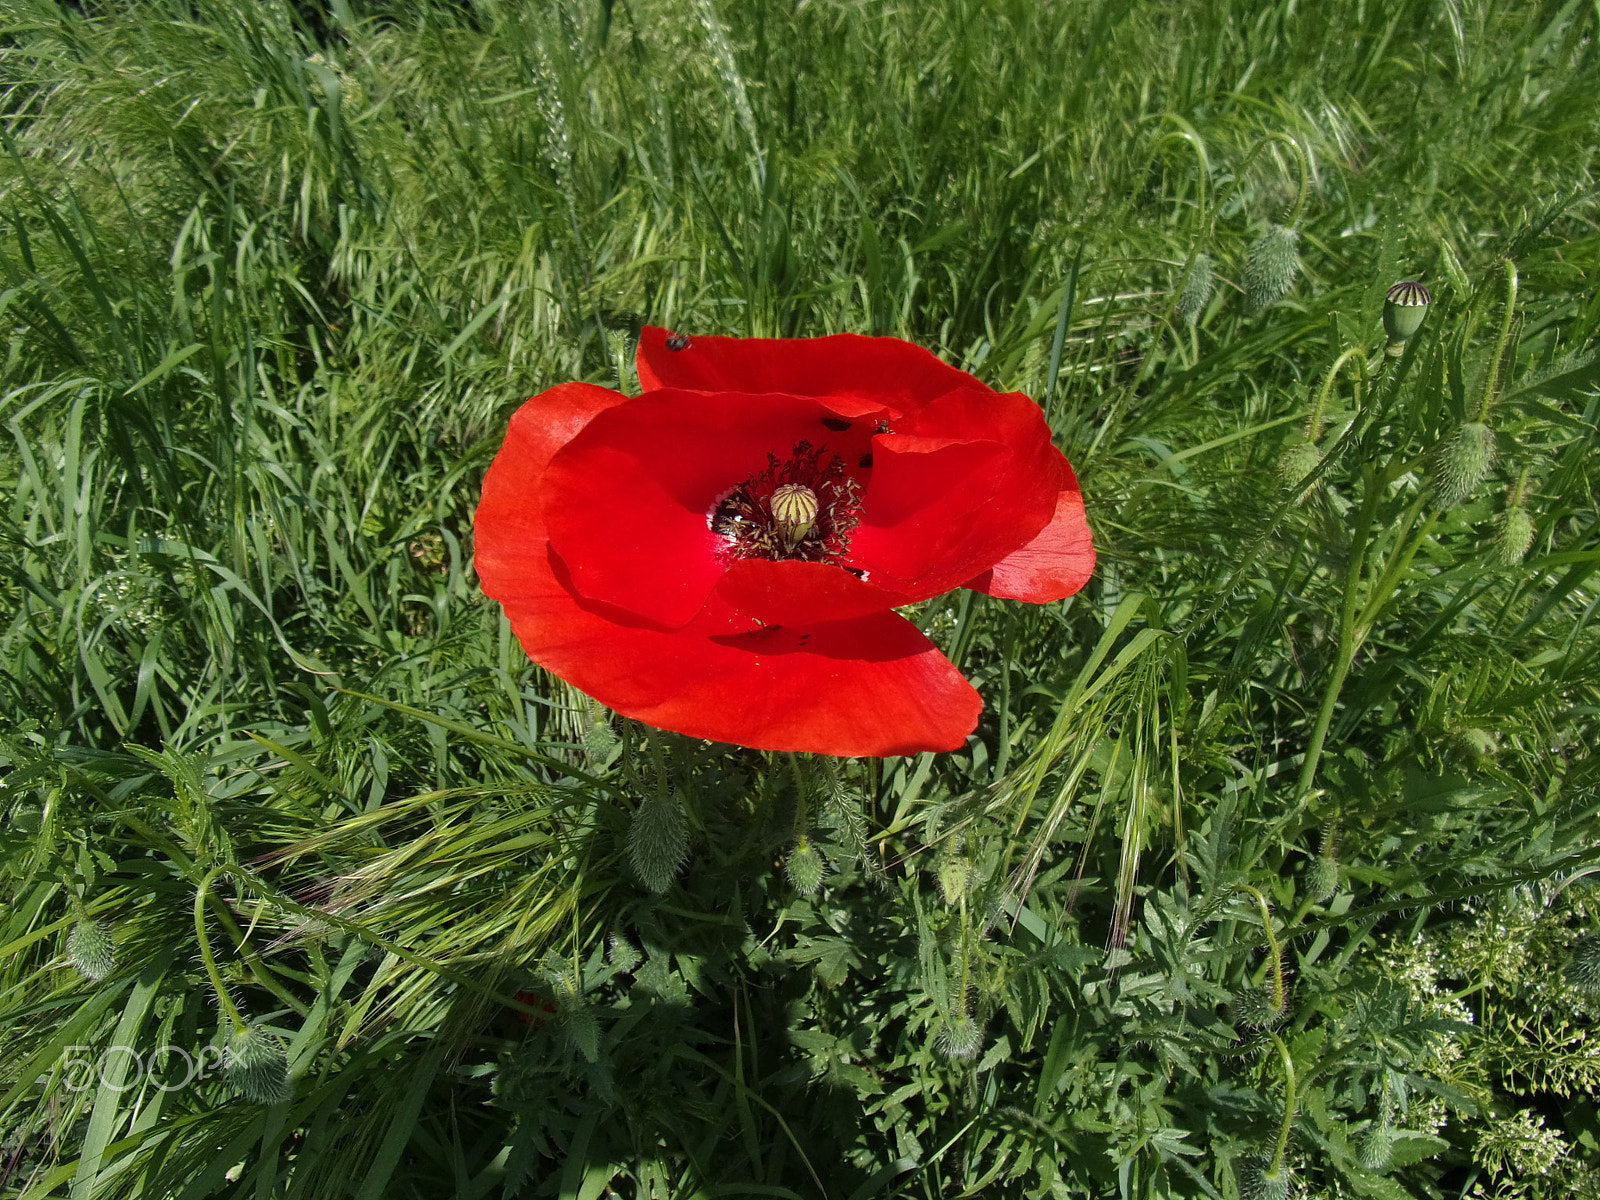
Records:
x=721, y=555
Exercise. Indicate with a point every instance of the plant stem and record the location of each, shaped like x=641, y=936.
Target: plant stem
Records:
x=1347, y=644
x=802, y=814
x=1288, y=1104
x=229, y=1008
x=1278, y=990
x=1491, y=378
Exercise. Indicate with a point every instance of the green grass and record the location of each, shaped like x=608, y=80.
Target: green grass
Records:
x=274, y=279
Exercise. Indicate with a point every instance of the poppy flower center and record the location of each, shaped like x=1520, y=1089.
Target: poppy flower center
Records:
x=804, y=507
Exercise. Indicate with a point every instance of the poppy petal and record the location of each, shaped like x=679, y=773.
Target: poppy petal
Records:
x=853, y=375
x=628, y=500
x=800, y=593
x=1055, y=564
x=872, y=686
x=509, y=534
x=964, y=483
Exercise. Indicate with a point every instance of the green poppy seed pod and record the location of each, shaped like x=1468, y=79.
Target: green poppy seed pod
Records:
x=1583, y=968
x=1513, y=535
x=955, y=873
x=90, y=949
x=960, y=1038
x=658, y=843
x=1322, y=879
x=1403, y=310
x=256, y=1064
x=805, y=867
x=794, y=512
x=1463, y=463
x=1254, y=1008
x=1270, y=267
x=1375, y=1147
x=1298, y=461
x=1258, y=1181
x=1197, y=289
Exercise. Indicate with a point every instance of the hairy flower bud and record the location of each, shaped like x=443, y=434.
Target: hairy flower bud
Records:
x=1197, y=289
x=805, y=867
x=955, y=874
x=1298, y=461
x=1270, y=267
x=658, y=843
x=1403, y=310
x=621, y=953
x=1259, y=1181
x=1375, y=1147
x=599, y=740
x=960, y=1038
x=1513, y=535
x=256, y=1064
x=1255, y=1008
x=1463, y=462
x=1322, y=879
x=1583, y=968
x=90, y=949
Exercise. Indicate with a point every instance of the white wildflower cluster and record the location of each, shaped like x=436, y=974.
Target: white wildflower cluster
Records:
x=1519, y=1146
x=1416, y=964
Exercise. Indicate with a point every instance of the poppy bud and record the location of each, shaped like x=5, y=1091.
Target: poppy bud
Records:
x=1322, y=879
x=1583, y=968
x=794, y=512
x=1375, y=1147
x=90, y=950
x=1403, y=310
x=1463, y=462
x=1197, y=289
x=621, y=953
x=805, y=867
x=599, y=740
x=1298, y=461
x=658, y=843
x=1254, y=1008
x=1513, y=536
x=960, y=1039
x=256, y=1065
x=1259, y=1180
x=1270, y=267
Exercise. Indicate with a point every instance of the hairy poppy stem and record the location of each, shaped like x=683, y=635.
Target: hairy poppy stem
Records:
x=1278, y=995
x=1288, y=1104
x=229, y=1008
x=1491, y=378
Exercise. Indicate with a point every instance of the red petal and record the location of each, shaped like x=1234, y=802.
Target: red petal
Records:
x=628, y=499
x=955, y=489
x=800, y=593
x=508, y=535
x=872, y=686
x=1055, y=564
x=854, y=375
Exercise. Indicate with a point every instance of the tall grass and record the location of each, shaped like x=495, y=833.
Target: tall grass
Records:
x=275, y=276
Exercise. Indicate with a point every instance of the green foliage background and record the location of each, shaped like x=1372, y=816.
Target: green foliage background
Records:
x=274, y=278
